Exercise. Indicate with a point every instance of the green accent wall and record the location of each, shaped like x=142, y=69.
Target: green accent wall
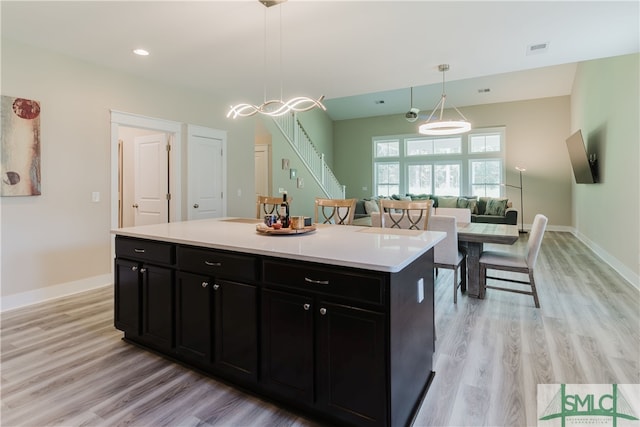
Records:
x=605, y=105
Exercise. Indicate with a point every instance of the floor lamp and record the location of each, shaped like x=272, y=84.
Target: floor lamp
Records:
x=520, y=170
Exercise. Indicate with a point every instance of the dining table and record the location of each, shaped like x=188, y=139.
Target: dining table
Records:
x=472, y=236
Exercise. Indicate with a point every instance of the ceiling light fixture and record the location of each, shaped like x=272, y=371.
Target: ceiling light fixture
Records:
x=141, y=52
x=275, y=107
x=440, y=126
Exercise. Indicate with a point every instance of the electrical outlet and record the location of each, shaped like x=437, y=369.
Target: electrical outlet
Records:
x=95, y=196
x=280, y=190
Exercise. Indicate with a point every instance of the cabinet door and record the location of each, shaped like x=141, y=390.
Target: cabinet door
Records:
x=287, y=345
x=351, y=370
x=194, y=317
x=236, y=328
x=127, y=297
x=157, y=306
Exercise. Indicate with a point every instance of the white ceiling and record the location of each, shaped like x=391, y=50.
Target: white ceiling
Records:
x=353, y=52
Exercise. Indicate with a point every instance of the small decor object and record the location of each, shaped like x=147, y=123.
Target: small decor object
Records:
x=285, y=164
x=20, y=147
x=293, y=173
x=300, y=182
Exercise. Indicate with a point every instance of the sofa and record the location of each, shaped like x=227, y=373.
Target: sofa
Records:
x=491, y=210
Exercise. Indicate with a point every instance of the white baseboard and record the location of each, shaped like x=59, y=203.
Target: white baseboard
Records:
x=10, y=302
x=623, y=270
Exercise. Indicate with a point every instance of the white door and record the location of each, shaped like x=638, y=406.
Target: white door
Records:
x=262, y=170
x=151, y=159
x=207, y=172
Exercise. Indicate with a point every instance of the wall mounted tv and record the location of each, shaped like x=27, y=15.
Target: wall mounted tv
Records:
x=585, y=167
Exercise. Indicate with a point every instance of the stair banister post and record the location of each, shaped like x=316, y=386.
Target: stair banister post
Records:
x=324, y=182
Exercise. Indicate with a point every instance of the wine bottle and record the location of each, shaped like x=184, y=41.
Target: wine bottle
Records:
x=284, y=211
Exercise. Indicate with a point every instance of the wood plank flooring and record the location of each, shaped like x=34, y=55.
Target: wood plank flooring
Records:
x=63, y=363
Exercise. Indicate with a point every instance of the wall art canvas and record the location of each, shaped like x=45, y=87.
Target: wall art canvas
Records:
x=20, y=147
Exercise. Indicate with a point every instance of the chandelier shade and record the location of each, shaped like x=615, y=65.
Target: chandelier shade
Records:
x=442, y=126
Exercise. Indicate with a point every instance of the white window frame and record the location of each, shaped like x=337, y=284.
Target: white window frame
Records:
x=464, y=158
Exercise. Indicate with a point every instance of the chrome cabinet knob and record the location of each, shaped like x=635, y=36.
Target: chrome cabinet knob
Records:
x=216, y=287
x=143, y=270
x=205, y=284
x=323, y=311
x=307, y=306
x=134, y=268
x=196, y=206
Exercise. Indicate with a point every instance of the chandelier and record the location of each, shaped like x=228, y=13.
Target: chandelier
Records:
x=275, y=107
x=440, y=126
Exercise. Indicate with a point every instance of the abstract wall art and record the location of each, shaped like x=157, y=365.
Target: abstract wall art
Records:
x=20, y=147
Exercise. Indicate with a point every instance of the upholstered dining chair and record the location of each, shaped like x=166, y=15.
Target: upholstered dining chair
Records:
x=519, y=263
x=446, y=253
x=335, y=211
x=267, y=205
x=412, y=215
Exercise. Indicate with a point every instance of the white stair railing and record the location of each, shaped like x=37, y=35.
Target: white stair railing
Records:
x=299, y=140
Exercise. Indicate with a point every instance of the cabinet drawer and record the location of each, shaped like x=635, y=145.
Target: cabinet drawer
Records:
x=342, y=283
x=145, y=250
x=217, y=264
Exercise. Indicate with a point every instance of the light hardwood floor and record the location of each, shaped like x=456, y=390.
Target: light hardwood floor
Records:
x=63, y=363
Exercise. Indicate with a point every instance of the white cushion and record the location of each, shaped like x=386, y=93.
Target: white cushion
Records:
x=506, y=259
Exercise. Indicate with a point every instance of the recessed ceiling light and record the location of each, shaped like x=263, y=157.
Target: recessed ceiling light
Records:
x=141, y=52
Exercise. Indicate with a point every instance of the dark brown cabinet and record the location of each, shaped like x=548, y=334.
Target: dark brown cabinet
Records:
x=329, y=355
x=127, y=296
x=216, y=318
x=144, y=291
x=350, y=346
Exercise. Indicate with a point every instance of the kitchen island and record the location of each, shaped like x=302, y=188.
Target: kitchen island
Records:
x=337, y=323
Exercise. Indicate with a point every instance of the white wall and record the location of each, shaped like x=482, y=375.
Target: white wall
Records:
x=605, y=105
x=61, y=238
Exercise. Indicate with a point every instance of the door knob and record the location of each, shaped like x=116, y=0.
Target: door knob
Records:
x=135, y=205
x=196, y=206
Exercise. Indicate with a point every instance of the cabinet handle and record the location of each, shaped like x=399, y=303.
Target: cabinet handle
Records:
x=213, y=264
x=134, y=268
x=316, y=282
x=205, y=284
x=138, y=251
x=216, y=287
x=323, y=311
x=307, y=306
x=143, y=270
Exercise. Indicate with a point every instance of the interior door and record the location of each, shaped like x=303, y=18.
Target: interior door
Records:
x=262, y=170
x=206, y=174
x=151, y=159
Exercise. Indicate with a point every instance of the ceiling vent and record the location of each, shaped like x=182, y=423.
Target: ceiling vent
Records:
x=535, y=49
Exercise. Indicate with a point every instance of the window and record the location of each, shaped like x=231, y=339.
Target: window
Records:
x=469, y=164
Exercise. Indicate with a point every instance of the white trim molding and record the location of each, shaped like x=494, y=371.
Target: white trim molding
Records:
x=626, y=273
x=36, y=296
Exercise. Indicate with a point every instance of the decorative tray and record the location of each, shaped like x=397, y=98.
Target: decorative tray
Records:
x=263, y=229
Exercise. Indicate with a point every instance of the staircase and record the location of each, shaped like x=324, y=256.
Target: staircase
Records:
x=299, y=140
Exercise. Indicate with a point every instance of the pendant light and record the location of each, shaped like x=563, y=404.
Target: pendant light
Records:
x=441, y=126
x=275, y=107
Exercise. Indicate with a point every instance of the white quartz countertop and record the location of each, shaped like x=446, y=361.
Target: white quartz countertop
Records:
x=370, y=248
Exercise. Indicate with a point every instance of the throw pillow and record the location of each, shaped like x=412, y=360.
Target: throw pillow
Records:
x=496, y=207
x=371, y=206
x=470, y=204
x=447, y=202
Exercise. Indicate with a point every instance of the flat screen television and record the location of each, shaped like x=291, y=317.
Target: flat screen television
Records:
x=585, y=169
